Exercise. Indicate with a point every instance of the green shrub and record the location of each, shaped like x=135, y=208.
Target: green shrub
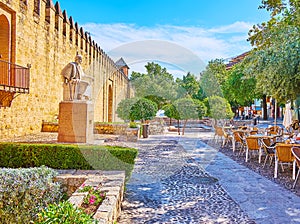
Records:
x=64, y=212
x=25, y=192
x=132, y=124
x=143, y=109
x=58, y=156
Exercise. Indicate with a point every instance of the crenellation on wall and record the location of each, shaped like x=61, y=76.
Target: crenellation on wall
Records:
x=58, y=20
x=66, y=26
x=36, y=41
x=49, y=12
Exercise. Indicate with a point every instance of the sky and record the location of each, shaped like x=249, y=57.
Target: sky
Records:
x=181, y=35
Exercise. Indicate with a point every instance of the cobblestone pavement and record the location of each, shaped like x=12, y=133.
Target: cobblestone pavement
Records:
x=168, y=185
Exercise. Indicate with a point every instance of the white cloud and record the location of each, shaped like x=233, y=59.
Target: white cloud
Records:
x=237, y=27
x=218, y=42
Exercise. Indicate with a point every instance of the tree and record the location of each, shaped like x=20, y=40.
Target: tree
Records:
x=190, y=85
x=186, y=109
x=277, y=67
x=143, y=109
x=171, y=112
x=283, y=13
x=157, y=84
x=275, y=62
x=239, y=89
x=219, y=108
x=201, y=108
x=124, y=108
x=213, y=78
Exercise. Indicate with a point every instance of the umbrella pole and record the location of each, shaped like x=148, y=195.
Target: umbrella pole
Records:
x=275, y=121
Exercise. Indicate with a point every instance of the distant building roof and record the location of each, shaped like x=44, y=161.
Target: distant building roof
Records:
x=236, y=60
x=121, y=63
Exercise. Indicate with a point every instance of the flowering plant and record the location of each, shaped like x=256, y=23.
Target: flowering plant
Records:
x=93, y=199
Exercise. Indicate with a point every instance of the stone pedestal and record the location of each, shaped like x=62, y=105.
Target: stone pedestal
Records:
x=76, y=122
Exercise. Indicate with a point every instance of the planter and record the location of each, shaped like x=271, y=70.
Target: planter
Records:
x=49, y=126
x=110, y=182
x=132, y=134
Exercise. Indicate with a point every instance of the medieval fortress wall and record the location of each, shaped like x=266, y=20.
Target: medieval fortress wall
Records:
x=41, y=35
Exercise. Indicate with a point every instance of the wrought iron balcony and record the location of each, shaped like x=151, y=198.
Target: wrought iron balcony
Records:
x=14, y=78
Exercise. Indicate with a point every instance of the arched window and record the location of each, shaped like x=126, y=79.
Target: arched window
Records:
x=5, y=53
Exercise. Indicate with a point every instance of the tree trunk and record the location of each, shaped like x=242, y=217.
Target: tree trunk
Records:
x=264, y=107
x=184, y=126
x=178, y=123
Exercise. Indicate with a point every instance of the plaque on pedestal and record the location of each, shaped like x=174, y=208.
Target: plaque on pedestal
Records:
x=76, y=122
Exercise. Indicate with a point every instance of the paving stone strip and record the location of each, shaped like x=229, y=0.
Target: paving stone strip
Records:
x=169, y=186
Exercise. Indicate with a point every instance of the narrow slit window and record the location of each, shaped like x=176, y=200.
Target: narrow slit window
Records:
x=36, y=7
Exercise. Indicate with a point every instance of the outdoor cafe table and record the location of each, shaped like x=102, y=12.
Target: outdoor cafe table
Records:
x=265, y=136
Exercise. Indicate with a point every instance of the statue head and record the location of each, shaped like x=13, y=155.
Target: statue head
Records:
x=78, y=59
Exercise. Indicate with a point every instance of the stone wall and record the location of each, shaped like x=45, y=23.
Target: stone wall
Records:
x=114, y=129
x=47, y=39
x=157, y=126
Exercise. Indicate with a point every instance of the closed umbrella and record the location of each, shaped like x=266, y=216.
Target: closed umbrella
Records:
x=288, y=117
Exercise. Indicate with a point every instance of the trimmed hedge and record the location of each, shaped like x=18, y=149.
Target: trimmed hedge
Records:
x=59, y=156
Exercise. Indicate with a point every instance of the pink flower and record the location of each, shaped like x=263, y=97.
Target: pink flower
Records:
x=92, y=199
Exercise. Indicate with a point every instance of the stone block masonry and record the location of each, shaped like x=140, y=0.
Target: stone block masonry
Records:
x=76, y=122
x=47, y=39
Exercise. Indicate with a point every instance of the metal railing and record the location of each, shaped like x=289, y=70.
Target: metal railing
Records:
x=14, y=78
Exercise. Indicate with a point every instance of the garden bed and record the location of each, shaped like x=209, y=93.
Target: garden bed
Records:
x=110, y=182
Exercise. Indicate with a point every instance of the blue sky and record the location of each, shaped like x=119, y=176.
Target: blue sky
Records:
x=208, y=29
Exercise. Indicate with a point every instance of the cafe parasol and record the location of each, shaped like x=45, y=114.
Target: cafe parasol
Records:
x=288, y=117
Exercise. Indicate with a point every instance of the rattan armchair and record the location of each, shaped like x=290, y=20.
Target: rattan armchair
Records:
x=268, y=148
x=283, y=155
x=252, y=145
x=219, y=133
x=296, y=154
x=238, y=140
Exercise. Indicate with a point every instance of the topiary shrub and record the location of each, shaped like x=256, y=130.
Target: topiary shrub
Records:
x=143, y=109
x=58, y=156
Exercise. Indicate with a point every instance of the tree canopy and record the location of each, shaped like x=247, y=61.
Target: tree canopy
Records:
x=239, y=89
x=213, y=77
x=219, y=108
x=275, y=61
x=157, y=84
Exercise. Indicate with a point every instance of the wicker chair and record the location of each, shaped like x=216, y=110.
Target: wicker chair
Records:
x=252, y=145
x=253, y=132
x=227, y=138
x=283, y=155
x=238, y=138
x=269, y=149
x=274, y=130
x=219, y=133
x=296, y=154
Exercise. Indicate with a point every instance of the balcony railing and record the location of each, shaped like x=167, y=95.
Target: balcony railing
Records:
x=14, y=78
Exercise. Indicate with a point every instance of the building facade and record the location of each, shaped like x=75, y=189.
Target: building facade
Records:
x=37, y=39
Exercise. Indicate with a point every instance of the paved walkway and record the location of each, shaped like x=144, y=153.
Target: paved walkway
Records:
x=177, y=183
